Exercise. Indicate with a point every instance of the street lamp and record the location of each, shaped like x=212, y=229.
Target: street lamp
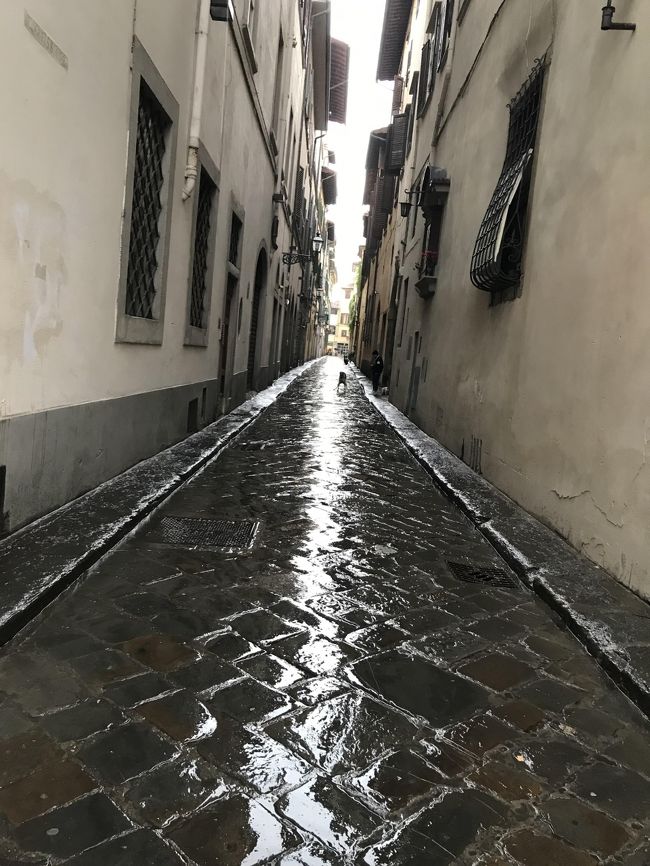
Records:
x=292, y=257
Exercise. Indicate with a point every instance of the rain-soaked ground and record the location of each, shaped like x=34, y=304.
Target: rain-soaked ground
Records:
x=334, y=695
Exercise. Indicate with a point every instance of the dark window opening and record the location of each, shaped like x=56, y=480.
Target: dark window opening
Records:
x=201, y=248
x=498, y=252
x=235, y=240
x=277, y=91
x=147, y=205
x=193, y=416
x=445, y=33
x=431, y=243
x=204, y=402
x=3, y=487
x=404, y=315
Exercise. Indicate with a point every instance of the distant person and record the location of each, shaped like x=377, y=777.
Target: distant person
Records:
x=376, y=369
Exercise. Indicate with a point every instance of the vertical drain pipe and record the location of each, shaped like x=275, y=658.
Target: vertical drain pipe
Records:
x=192, y=167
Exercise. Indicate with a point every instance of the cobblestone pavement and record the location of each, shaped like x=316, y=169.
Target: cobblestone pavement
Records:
x=337, y=694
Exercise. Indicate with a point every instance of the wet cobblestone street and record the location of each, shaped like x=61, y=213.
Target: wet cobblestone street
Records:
x=337, y=694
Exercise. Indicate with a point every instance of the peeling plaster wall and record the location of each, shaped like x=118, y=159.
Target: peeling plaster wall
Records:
x=554, y=383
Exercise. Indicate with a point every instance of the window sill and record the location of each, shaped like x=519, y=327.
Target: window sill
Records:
x=196, y=337
x=146, y=332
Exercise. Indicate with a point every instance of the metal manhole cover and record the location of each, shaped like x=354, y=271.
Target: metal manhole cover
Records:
x=486, y=576
x=204, y=532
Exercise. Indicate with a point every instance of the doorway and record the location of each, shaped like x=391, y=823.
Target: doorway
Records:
x=414, y=382
x=231, y=291
x=252, y=376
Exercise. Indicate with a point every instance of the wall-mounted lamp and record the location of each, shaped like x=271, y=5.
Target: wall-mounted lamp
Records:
x=292, y=257
x=405, y=206
x=608, y=22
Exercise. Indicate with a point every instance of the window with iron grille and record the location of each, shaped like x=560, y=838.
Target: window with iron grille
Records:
x=148, y=181
x=207, y=191
x=497, y=258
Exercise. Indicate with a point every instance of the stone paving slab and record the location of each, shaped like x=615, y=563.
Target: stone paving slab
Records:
x=611, y=621
x=39, y=561
x=334, y=695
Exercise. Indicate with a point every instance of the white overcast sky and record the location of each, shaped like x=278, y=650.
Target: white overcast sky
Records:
x=359, y=23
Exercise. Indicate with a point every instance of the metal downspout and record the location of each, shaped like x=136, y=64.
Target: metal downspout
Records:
x=192, y=166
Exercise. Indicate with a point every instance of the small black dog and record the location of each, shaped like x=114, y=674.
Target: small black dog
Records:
x=343, y=380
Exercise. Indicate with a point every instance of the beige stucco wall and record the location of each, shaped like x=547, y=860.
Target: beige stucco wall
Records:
x=554, y=383
x=62, y=190
x=64, y=380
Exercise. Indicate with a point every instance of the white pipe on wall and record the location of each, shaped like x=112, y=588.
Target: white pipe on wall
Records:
x=192, y=167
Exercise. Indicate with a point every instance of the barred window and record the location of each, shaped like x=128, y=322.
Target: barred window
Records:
x=207, y=191
x=148, y=181
x=497, y=257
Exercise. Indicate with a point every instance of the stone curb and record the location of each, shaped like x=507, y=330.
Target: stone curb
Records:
x=610, y=620
x=41, y=560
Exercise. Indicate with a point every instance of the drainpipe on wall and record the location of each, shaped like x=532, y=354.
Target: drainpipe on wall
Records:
x=192, y=167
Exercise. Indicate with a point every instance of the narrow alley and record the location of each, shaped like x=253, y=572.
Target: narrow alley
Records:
x=344, y=672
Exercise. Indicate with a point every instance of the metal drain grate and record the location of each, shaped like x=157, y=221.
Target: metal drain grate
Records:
x=486, y=576
x=203, y=532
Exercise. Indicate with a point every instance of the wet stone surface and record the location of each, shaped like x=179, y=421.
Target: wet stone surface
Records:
x=332, y=696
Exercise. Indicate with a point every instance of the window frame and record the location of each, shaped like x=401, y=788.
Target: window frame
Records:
x=133, y=329
x=195, y=336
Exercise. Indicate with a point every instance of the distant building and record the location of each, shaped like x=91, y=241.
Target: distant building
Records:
x=143, y=231
x=339, y=338
x=507, y=267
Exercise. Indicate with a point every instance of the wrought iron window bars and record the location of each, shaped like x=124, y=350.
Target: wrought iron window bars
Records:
x=498, y=251
x=147, y=206
x=201, y=248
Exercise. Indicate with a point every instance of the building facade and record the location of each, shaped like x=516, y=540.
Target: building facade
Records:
x=339, y=337
x=506, y=270
x=160, y=161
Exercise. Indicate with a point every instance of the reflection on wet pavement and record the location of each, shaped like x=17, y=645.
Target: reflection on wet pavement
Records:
x=333, y=696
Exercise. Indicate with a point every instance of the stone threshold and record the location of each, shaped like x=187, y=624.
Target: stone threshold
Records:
x=39, y=561
x=608, y=618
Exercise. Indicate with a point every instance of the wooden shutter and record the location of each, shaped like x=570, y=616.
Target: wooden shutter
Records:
x=398, y=93
x=371, y=182
x=298, y=196
x=409, y=127
x=396, y=152
x=423, y=88
x=388, y=194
